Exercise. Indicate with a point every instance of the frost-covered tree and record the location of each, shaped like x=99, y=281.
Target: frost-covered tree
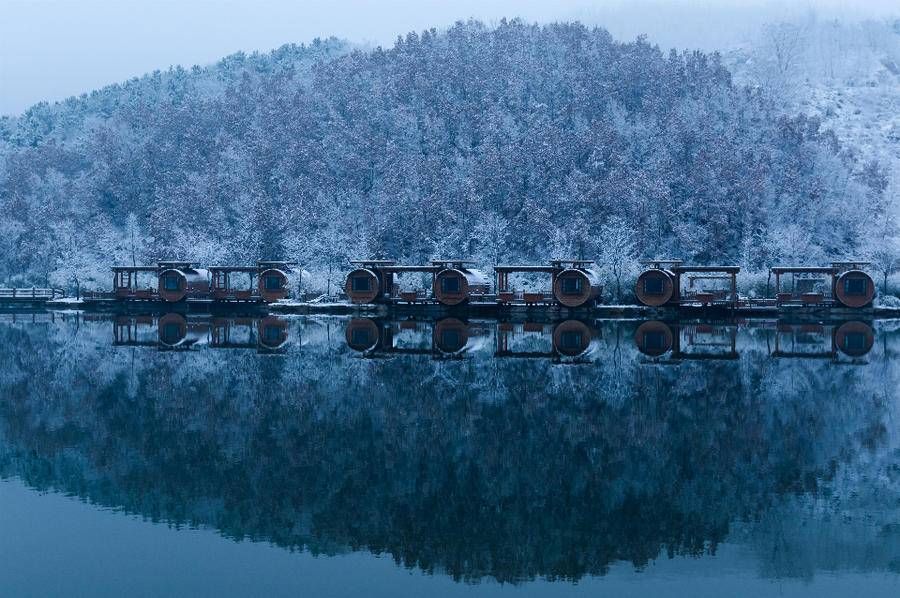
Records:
x=427, y=149
x=617, y=250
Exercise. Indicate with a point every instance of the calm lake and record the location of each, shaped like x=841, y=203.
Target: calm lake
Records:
x=342, y=457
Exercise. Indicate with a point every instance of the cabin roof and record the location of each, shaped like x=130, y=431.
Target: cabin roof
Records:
x=726, y=269
x=452, y=263
x=233, y=268
x=373, y=262
x=525, y=268
x=803, y=269
x=433, y=268
x=174, y=264
x=661, y=261
x=135, y=268
x=574, y=263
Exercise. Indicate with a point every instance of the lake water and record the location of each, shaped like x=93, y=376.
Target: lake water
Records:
x=343, y=457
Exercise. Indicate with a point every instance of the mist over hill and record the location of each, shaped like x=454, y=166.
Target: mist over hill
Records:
x=506, y=143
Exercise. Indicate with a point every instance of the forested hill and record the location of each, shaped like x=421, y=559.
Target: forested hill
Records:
x=518, y=142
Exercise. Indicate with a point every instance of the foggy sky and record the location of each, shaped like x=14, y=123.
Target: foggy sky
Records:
x=52, y=49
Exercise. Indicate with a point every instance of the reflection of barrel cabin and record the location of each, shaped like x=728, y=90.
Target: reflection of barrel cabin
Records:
x=180, y=280
x=576, y=283
x=273, y=280
x=853, y=287
x=452, y=336
x=273, y=332
x=365, y=334
x=854, y=339
x=176, y=331
x=572, y=338
x=657, y=285
x=654, y=338
x=370, y=281
x=456, y=282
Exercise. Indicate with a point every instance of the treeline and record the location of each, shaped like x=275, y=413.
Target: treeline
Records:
x=518, y=142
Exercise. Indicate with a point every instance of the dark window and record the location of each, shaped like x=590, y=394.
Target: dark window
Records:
x=172, y=282
x=171, y=333
x=654, y=285
x=360, y=336
x=570, y=340
x=654, y=342
x=855, y=286
x=450, y=284
x=571, y=285
x=451, y=340
x=272, y=333
x=273, y=283
x=360, y=283
x=854, y=342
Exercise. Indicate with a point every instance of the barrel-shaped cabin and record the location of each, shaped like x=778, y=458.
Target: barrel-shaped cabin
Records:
x=371, y=281
x=573, y=283
x=457, y=282
x=273, y=282
x=576, y=283
x=135, y=283
x=668, y=282
x=853, y=287
x=845, y=284
x=657, y=285
x=179, y=281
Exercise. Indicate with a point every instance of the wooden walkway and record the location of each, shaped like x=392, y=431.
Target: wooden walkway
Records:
x=29, y=295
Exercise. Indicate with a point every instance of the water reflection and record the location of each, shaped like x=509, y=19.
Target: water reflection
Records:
x=179, y=331
x=455, y=455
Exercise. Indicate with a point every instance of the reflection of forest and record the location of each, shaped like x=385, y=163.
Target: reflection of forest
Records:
x=511, y=468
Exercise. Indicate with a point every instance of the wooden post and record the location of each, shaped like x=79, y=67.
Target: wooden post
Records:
x=734, y=298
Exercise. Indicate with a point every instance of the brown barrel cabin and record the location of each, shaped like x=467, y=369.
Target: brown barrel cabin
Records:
x=843, y=283
x=370, y=282
x=273, y=280
x=576, y=283
x=661, y=284
x=657, y=285
x=456, y=282
x=180, y=280
x=853, y=287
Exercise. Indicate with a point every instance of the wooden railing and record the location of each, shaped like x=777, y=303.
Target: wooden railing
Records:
x=30, y=294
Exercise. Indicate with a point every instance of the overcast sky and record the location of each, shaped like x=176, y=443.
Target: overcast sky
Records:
x=52, y=49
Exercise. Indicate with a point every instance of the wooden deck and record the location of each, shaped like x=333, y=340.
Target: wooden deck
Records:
x=29, y=295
